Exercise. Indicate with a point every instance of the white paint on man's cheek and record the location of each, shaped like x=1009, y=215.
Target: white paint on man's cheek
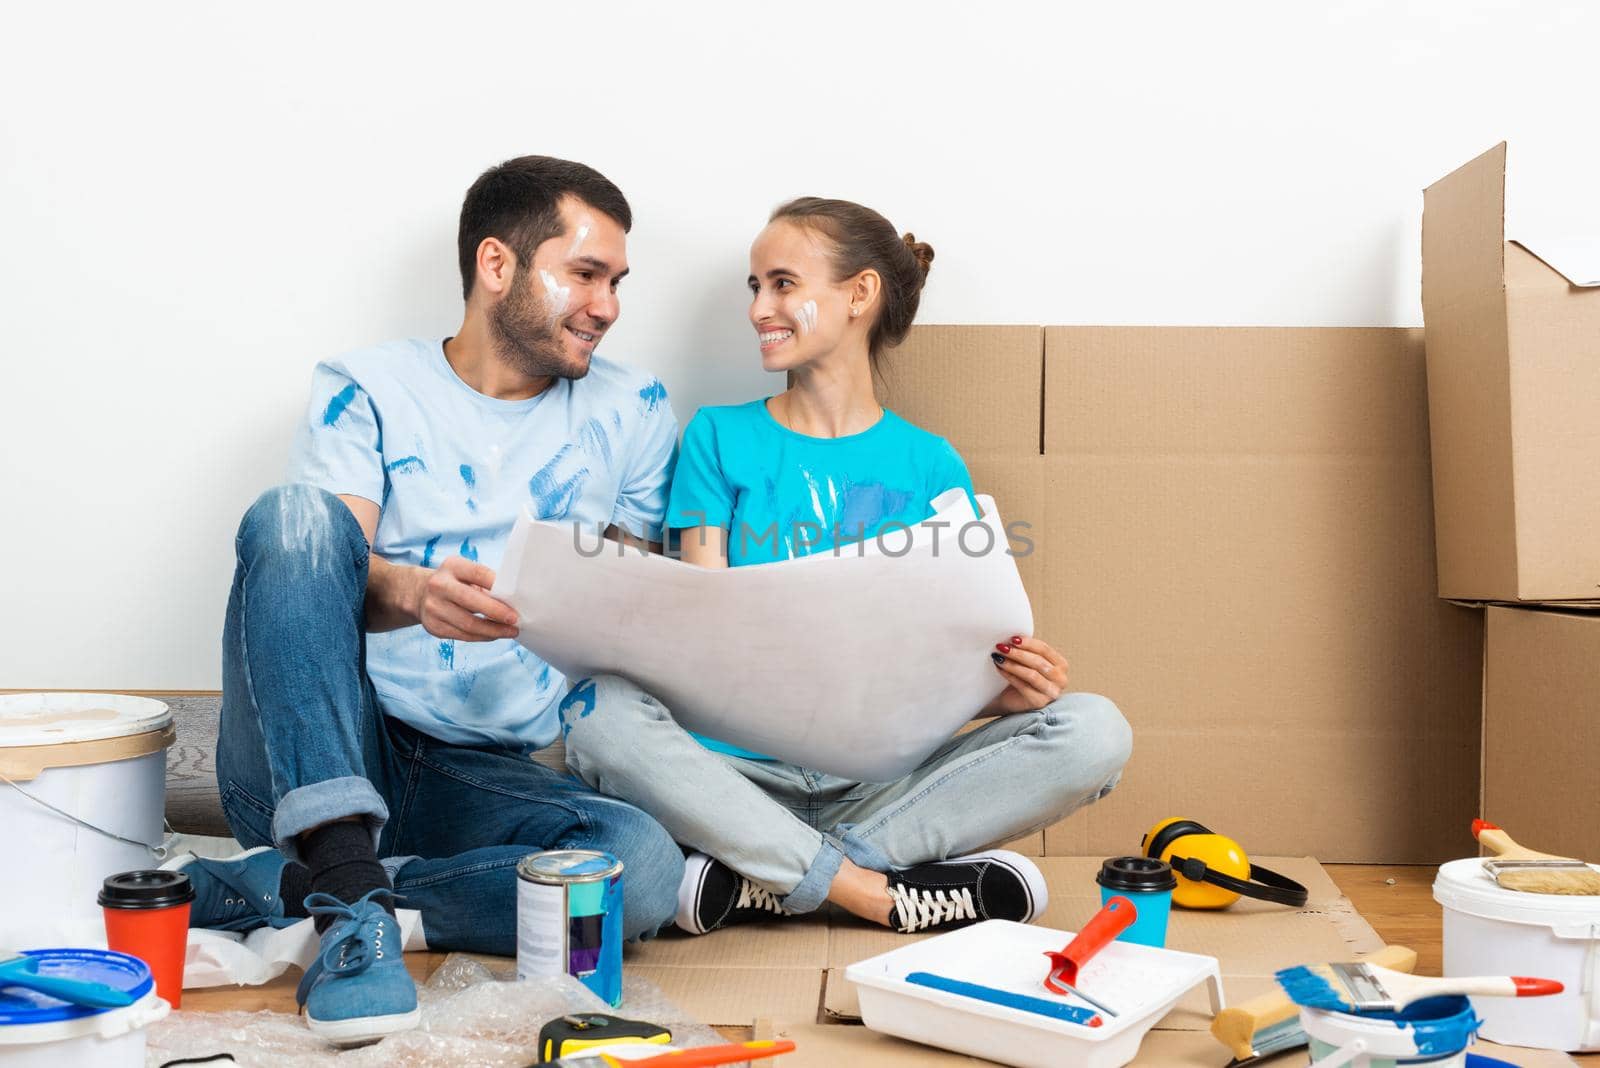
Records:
x=584, y=226
x=807, y=316
x=557, y=295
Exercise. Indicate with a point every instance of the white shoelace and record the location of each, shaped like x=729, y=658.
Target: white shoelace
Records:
x=752, y=896
x=917, y=909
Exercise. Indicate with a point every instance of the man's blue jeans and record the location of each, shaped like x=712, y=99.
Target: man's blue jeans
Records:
x=303, y=741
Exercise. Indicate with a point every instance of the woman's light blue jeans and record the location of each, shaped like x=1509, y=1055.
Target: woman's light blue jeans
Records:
x=789, y=829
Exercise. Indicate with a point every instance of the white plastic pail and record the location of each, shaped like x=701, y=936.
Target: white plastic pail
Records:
x=82, y=794
x=1489, y=930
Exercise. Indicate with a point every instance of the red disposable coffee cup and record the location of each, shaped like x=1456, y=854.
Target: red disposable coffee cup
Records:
x=147, y=916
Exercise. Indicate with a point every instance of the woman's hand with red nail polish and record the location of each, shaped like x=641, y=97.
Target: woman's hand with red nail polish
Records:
x=1036, y=674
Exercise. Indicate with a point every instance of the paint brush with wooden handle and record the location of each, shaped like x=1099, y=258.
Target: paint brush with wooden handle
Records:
x=1368, y=988
x=1270, y=1023
x=1516, y=867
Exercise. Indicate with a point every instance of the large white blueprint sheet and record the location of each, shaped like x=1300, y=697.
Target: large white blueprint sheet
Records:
x=858, y=664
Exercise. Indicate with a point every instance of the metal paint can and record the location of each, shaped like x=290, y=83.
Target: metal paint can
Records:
x=569, y=918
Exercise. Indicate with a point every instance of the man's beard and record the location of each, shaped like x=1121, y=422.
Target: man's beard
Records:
x=527, y=337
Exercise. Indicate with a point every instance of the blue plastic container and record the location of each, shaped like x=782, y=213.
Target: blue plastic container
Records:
x=36, y=1029
x=1146, y=882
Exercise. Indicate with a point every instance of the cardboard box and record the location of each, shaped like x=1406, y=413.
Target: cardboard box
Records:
x=1541, y=728
x=1237, y=550
x=979, y=386
x=1514, y=387
x=1233, y=539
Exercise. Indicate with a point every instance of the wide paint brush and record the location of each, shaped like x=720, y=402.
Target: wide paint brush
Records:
x=1370, y=988
x=1516, y=867
x=1270, y=1023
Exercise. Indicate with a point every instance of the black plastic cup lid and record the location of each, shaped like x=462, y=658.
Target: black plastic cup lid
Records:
x=1138, y=874
x=146, y=890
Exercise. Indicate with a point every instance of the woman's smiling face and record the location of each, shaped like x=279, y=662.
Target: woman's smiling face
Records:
x=798, y=309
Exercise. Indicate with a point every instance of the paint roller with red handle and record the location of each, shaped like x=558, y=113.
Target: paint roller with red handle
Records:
x=1116, y=916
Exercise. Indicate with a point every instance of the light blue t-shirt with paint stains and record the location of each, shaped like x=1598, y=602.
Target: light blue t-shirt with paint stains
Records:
x=451, y=469
x=781, y=494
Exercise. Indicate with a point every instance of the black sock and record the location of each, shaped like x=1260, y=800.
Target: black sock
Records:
x=293, y=886
x=340, y=861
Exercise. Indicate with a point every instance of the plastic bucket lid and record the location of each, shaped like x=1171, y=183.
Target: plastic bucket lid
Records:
x=1464, y=886
x=40, y=731
x=21, y=1008
x=28, y=719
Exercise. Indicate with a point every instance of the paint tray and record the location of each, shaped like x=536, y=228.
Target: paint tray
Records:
x=1141, y=983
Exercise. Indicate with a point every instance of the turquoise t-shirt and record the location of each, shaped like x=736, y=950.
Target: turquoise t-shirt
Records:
x=780, y=494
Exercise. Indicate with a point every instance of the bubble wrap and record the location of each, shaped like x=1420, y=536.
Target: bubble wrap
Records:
x=472, y=1014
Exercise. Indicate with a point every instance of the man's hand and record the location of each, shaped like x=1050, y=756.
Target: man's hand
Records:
x=452, y=601
x=1035, y=672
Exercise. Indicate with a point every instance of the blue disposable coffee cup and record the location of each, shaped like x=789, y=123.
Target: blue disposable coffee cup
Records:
x=1148, y=883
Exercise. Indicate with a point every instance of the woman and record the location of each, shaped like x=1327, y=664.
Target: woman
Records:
x=833, y=284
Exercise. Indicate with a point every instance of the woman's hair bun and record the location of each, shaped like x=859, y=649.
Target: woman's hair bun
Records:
x=921, y=251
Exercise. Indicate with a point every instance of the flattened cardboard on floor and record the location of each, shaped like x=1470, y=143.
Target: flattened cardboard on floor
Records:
x=1541, y=728
x=1514, y=387
x=1238, y=551
x=841, y=1045
x=835, y=1046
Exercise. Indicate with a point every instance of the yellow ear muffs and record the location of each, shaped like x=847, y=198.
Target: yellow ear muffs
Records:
x=1213, y=870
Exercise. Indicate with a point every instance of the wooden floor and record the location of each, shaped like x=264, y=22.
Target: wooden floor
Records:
x=1396, y=900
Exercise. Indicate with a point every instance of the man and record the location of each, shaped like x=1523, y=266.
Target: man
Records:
x=377, y=712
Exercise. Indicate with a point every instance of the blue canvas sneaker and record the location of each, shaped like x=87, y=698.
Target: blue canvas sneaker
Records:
x=237, y=894
x=358, y=989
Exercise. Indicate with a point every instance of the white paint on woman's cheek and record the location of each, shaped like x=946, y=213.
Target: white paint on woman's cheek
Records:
x=584, y=226
x=807, y=316
x=556, y=295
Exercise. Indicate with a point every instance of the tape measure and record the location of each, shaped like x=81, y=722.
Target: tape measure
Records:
x=579, y=1031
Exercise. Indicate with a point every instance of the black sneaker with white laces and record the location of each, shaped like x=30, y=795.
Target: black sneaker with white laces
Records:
x=713, y=895
x=945, y=894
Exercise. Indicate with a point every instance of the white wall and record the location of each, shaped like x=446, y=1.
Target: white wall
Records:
x=199, y=200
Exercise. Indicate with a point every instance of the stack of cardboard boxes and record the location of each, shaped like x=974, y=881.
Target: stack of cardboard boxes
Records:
x=1232, y=532
x=1513, y=356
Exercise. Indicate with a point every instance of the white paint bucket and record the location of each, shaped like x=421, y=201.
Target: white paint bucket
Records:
x=40, y=1032
x=1489, y=930
x=1434, y=1032
x=82, y=797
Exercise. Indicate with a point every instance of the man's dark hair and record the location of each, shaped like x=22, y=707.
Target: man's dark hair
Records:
x=519, y=202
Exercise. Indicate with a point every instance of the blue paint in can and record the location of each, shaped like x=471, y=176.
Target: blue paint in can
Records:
x=569, y=919
x=1433, y=1031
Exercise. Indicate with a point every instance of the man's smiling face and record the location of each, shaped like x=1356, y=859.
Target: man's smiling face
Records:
x=558, y=307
